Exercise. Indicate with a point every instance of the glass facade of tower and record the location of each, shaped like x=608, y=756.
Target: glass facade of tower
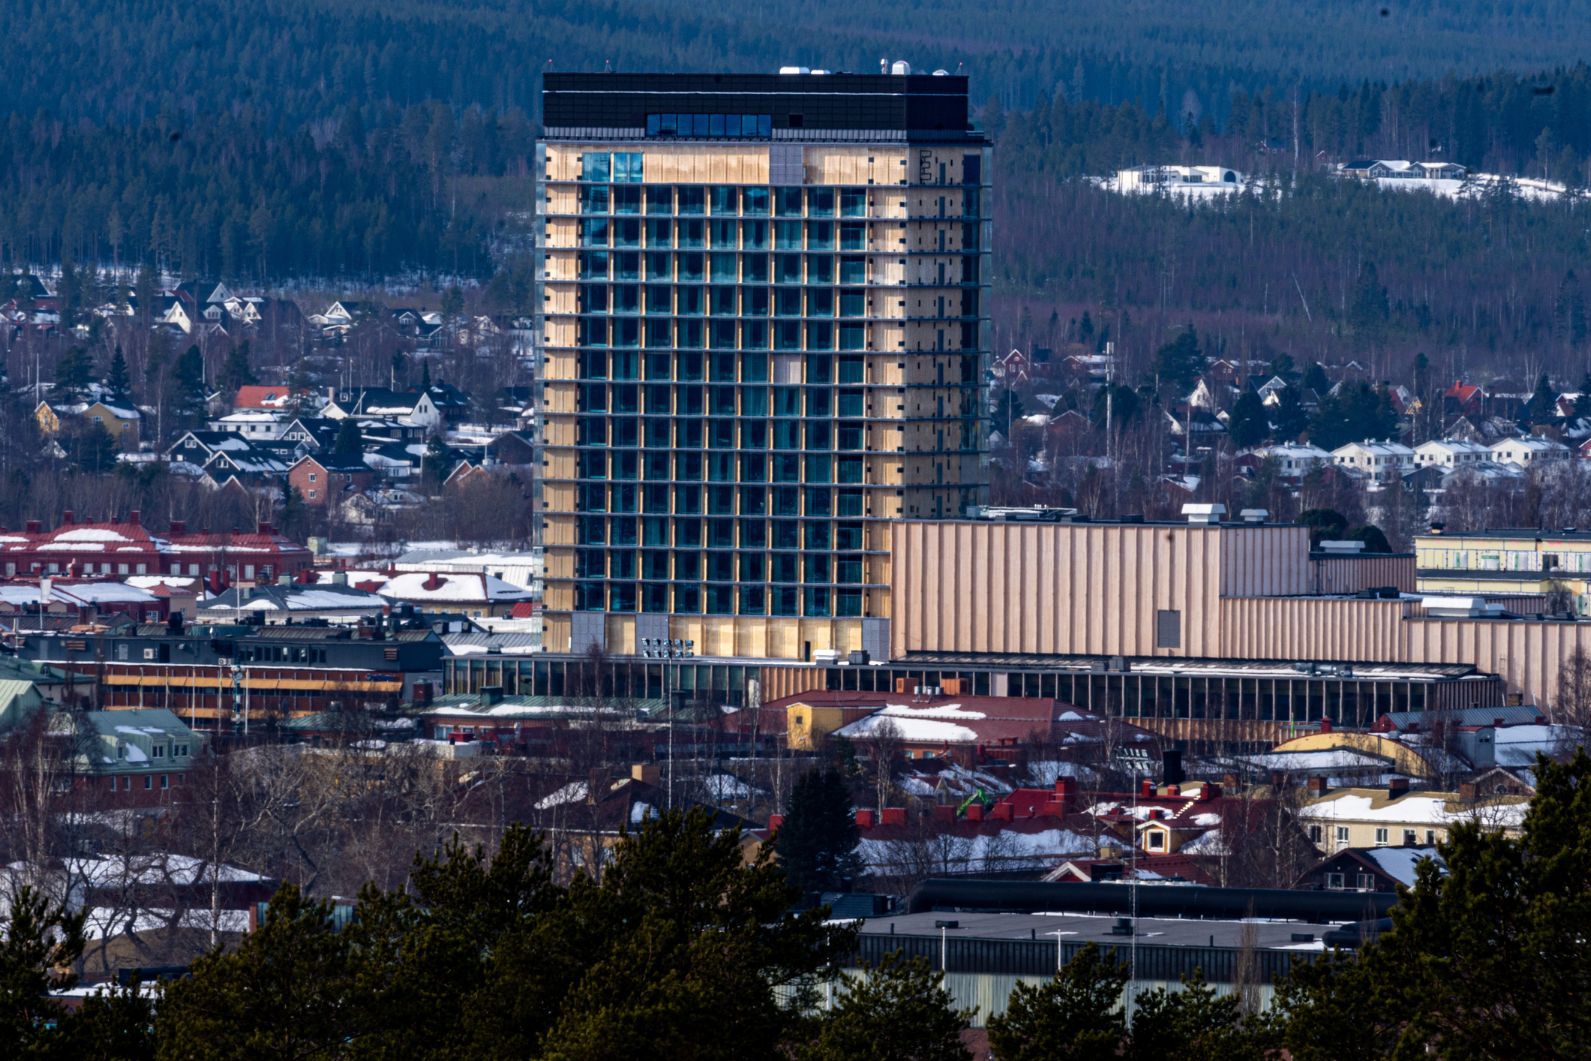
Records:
x=752, y=366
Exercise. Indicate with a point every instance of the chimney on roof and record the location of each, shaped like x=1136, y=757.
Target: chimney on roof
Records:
x=265, y=528
x=1171, y=772
x=32, y=526
x=1065, y=793
x=1325, y=723
x=1316, y=786
x=1397, y=786
x=179, y=526
x=68, y=518
x=864, y=818
x=433, y=581
x=133, y=517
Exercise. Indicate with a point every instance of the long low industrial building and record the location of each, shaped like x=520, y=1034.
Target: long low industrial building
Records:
x=988, y=936
x=1198, y=628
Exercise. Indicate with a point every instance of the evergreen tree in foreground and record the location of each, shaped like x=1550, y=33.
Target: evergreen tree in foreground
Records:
x=816, y=844
x=1485, y=959
x=898, y=1011
x=680, y=950
x=1077, y=1015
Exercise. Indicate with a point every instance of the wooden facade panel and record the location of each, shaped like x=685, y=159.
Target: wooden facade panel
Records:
x=1350, y=574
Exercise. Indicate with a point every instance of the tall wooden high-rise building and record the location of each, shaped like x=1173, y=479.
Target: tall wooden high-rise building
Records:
x=766, y=339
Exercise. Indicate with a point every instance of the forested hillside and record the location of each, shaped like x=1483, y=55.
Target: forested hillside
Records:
x=300, y=138
x=1311, y=263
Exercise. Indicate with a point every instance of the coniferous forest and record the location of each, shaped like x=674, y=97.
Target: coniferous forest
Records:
x=681, y=950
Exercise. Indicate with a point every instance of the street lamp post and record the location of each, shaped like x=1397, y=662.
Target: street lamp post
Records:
x=669, y=650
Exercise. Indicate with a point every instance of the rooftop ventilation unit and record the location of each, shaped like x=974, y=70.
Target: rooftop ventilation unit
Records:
x=1343, y=547
x=1459, y=607
x=1204, y=515
x=1254, y=515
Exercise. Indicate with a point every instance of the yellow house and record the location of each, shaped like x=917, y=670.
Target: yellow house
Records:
x=123, y=422
x=1396, y=817
x=808, y=724
x=49, y=419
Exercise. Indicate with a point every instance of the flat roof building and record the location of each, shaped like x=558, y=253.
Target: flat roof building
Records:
x=766, y=334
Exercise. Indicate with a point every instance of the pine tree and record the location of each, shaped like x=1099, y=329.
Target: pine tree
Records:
x=1247, y=425
x=816, y=844
x=1315, y=380
x=1369, y=312
x=41, y=944
x=1290, y=418
x=94, y=449
x=898, y=1011
x=1193, y=1021
x=1179, y=362
x=236, y=371
x=118, y=382
x=1542, y=407
x=1486, y=956
x=681, y=950
x=186, y=384
x=73, y=373
x=349, y=447
x=1077, y=1015
x=284, y=992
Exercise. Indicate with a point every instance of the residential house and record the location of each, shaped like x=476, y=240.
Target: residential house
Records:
x=1012, y=369
x=1464, y=399
x=251, y=424
x=1397, y=816
x=1401, y=169
x=416, y=408
x=1380, y=462
x=1293, y=461
x=253, y=397
x=320, y=480
x=134, y=757
x=251, y=469
x=121, y=419
x=1172, y=178
x=1529, y=451
x=1450, y=454
x=1368, y=869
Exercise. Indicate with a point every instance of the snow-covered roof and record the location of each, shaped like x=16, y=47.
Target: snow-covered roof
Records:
x=1422, y=808
x=927, y=725
x=1007, y=849
x=458, y=587
x=573, y=792
x=1518, y=745
x=1399, y=862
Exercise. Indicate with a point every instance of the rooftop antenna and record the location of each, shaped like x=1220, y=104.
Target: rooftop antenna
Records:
x=961, y=68
x=607, y=66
